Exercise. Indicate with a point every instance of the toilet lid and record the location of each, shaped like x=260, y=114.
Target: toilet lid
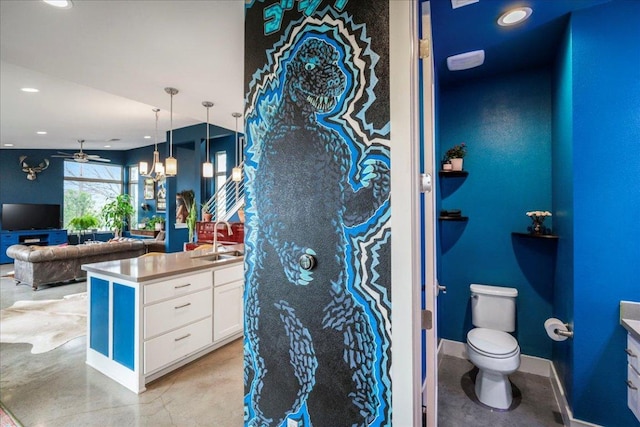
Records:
x=492, y=342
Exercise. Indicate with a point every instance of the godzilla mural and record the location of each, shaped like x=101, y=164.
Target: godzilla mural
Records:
x=317, y=300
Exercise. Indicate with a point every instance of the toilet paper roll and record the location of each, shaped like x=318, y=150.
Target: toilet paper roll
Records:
x=552, y=325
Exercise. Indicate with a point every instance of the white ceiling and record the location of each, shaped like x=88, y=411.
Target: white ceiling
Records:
x=102, y=66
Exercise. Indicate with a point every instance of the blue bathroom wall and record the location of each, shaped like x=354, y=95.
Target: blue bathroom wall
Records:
x=562, y=184
x=606, y=156
x=506, y=123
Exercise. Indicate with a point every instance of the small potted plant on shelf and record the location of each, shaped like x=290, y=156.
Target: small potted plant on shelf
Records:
x=455, y=155
x=206, y=215
x=83, y=223
x=192, y=217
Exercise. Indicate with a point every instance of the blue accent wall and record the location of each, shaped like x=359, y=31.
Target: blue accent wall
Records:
x=562, y=184
x=124, y=308
x=506, y=124
x=99, y=316
x=606, y=203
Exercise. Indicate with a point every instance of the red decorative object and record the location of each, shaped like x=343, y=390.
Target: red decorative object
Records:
x=205, y=230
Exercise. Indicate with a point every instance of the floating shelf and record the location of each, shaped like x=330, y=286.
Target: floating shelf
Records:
x=453, y=173
x=535, y=236
x=453, y=218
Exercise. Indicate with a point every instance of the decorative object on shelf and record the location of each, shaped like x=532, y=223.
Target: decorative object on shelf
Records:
x=206, y=215
x=171, y=163
x=117, y=212
x=455, y=155
x=446, y=166
x=236, y=172
x=156, y=172
x=32, y=170
x=83, y=223
x=184, y=201
x=207, y=167
x=538, y=219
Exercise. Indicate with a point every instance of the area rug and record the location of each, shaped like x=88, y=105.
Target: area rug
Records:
x=45, y=324
x=6, y=418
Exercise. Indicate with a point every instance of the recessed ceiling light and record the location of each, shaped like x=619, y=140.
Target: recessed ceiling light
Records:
x=42, y=132
x=30, y=89
x=8, y=145
x=107, y=146
x=60, y=4
x=514, y=16
x=147, y=137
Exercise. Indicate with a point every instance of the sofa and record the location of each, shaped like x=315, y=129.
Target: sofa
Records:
x=40, y=265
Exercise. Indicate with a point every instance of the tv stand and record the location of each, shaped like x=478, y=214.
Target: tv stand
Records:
x=29, y=237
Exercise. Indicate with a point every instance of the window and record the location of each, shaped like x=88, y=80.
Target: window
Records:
x=221, y=179
x=133, y=193
x=88, y=187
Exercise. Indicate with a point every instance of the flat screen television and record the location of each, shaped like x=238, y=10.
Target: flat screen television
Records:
x=30, y=216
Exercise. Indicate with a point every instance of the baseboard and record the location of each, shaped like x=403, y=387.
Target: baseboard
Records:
x=563, y=404
x=530, y=365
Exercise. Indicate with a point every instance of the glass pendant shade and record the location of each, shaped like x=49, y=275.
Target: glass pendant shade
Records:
x=171, y=168
x=159, y=168
x=143, y=168
x=236, y=174
x=207, y=170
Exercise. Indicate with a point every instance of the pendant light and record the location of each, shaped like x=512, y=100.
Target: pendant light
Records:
x=157, y=168
x=236, y=172
x=171, y=168
x=207, y=167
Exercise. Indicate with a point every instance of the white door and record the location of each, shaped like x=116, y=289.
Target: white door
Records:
x=430, y=386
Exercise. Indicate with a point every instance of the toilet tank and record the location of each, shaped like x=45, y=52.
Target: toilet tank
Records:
x=493, y=307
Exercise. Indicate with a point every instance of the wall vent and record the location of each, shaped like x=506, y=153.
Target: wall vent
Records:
x=466, y=60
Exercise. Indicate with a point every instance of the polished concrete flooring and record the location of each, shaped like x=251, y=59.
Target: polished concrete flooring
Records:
x=58, y=389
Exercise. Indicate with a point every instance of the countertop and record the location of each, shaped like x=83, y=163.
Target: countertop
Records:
x=630, y=317
x=147, y=268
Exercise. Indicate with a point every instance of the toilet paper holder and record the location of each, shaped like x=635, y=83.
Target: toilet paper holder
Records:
x=568, y=333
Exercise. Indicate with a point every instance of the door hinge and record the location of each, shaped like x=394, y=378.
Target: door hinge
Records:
x=424, y=48
x=425, y=183
x=427, y=319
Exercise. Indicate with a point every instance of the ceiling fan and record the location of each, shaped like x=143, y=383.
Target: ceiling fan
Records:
x=81, y=156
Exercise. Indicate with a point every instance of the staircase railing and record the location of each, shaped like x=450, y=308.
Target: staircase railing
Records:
x=227, y=199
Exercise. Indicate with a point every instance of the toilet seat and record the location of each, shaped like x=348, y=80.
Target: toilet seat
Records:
x=492, y=343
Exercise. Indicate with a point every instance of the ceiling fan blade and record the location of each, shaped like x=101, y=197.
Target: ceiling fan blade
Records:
x=98, y=159
x=65, y=156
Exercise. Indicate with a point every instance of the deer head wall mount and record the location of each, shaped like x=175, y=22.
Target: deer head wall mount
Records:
x=32, y=170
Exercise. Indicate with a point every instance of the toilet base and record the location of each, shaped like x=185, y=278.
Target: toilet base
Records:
x=494, y=389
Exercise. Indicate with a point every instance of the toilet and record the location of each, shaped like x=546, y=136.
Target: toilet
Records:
x=489, y=346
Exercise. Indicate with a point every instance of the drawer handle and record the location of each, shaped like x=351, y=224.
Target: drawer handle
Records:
x=630, y=353
x=181, y=338
x=630, y=385
x=182, y=306
x=182, y=286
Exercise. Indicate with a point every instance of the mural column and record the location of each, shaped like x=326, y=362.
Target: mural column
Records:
x=318, y=295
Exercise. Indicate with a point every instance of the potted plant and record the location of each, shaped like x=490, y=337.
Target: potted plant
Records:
x=455, y=155
x=83, y=222
x=116, y=213
x=192, y=217
x=206, y=215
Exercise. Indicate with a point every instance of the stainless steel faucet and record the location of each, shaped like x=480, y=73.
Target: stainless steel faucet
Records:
x=215, y=233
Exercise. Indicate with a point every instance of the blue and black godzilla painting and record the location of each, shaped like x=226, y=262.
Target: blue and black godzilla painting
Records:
x=317, y=336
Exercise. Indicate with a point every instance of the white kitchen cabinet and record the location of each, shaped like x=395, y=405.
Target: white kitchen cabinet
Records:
x=227, y=302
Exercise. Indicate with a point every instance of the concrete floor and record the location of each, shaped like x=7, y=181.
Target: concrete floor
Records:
x=58, y=389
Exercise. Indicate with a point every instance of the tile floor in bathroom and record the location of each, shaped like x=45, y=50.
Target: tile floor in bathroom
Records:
x=58, y=389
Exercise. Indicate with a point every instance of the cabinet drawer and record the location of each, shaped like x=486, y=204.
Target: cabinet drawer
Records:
x=229, y=274
x=633, y=392
x=176, y=287
x=173, y=346
x=177, y=312
x=633, y=352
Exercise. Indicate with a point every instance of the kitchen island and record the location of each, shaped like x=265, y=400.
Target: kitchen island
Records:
x=148, y=316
